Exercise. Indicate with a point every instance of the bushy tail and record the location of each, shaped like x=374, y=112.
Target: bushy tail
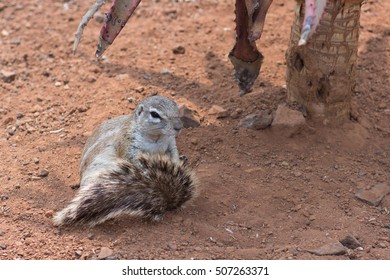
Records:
x=148, y=190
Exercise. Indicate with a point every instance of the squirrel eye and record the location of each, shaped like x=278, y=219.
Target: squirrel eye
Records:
x=155, y=115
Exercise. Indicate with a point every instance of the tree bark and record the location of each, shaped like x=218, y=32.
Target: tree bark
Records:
x=321, y=74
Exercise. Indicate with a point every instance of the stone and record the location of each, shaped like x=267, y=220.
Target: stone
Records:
x=297, y=207
x=179, y=50
x=49, y=214
x=3, y=6
x=354, y=110
x=7, y=76
x=3, y=246
x=297, y=174
x=139, y=89
x=187, y=117
x=330, y=249
x=350, y=242
x=172, y=246
x=254, y=170
x=287, y=121
x=218, y=111
x=374, y=195
x=78, y=253
x=82, y=108
x=8, y=121
x=122, y=77
x=36, y=108
x=105, y=253
x=90, y=78
x=235, y=114
x=258, y=120
x=44, y=173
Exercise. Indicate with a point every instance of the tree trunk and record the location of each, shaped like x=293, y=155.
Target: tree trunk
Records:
x=320, y=74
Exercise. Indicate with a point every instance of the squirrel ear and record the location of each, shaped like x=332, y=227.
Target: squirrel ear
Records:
x=139, y=110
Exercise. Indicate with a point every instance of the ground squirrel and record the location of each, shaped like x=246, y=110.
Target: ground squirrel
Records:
x=131, y=165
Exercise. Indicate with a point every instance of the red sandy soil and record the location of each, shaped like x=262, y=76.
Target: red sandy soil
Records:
x=262, y=195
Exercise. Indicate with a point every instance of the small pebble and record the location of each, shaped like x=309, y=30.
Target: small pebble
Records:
x=218, y=111
x=330, y=249
x=350, y=242
x=78, y=253
x=187, y=117
x=82, y=109
x=172, y=247
x=122, y=77
x=44, y=173
x=105, y=253
x=7, y=76
x=374, y=195
x=179, y=50
x=49, y=214
x=139, y=89
x=258, y=120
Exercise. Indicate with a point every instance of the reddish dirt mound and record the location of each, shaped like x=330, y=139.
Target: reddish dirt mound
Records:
x=262, y=195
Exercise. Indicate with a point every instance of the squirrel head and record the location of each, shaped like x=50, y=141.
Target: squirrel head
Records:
x=157, y=116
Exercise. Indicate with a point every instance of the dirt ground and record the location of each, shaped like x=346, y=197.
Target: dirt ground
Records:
x=262, y=195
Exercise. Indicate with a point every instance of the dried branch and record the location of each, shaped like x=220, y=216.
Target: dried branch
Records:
x=84, y=21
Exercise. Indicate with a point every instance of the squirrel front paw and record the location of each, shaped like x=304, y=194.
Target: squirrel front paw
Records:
x=184, y=160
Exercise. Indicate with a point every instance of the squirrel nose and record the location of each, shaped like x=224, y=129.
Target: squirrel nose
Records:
x=177, y=124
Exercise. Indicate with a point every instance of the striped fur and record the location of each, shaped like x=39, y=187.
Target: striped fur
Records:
x=148, y=189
